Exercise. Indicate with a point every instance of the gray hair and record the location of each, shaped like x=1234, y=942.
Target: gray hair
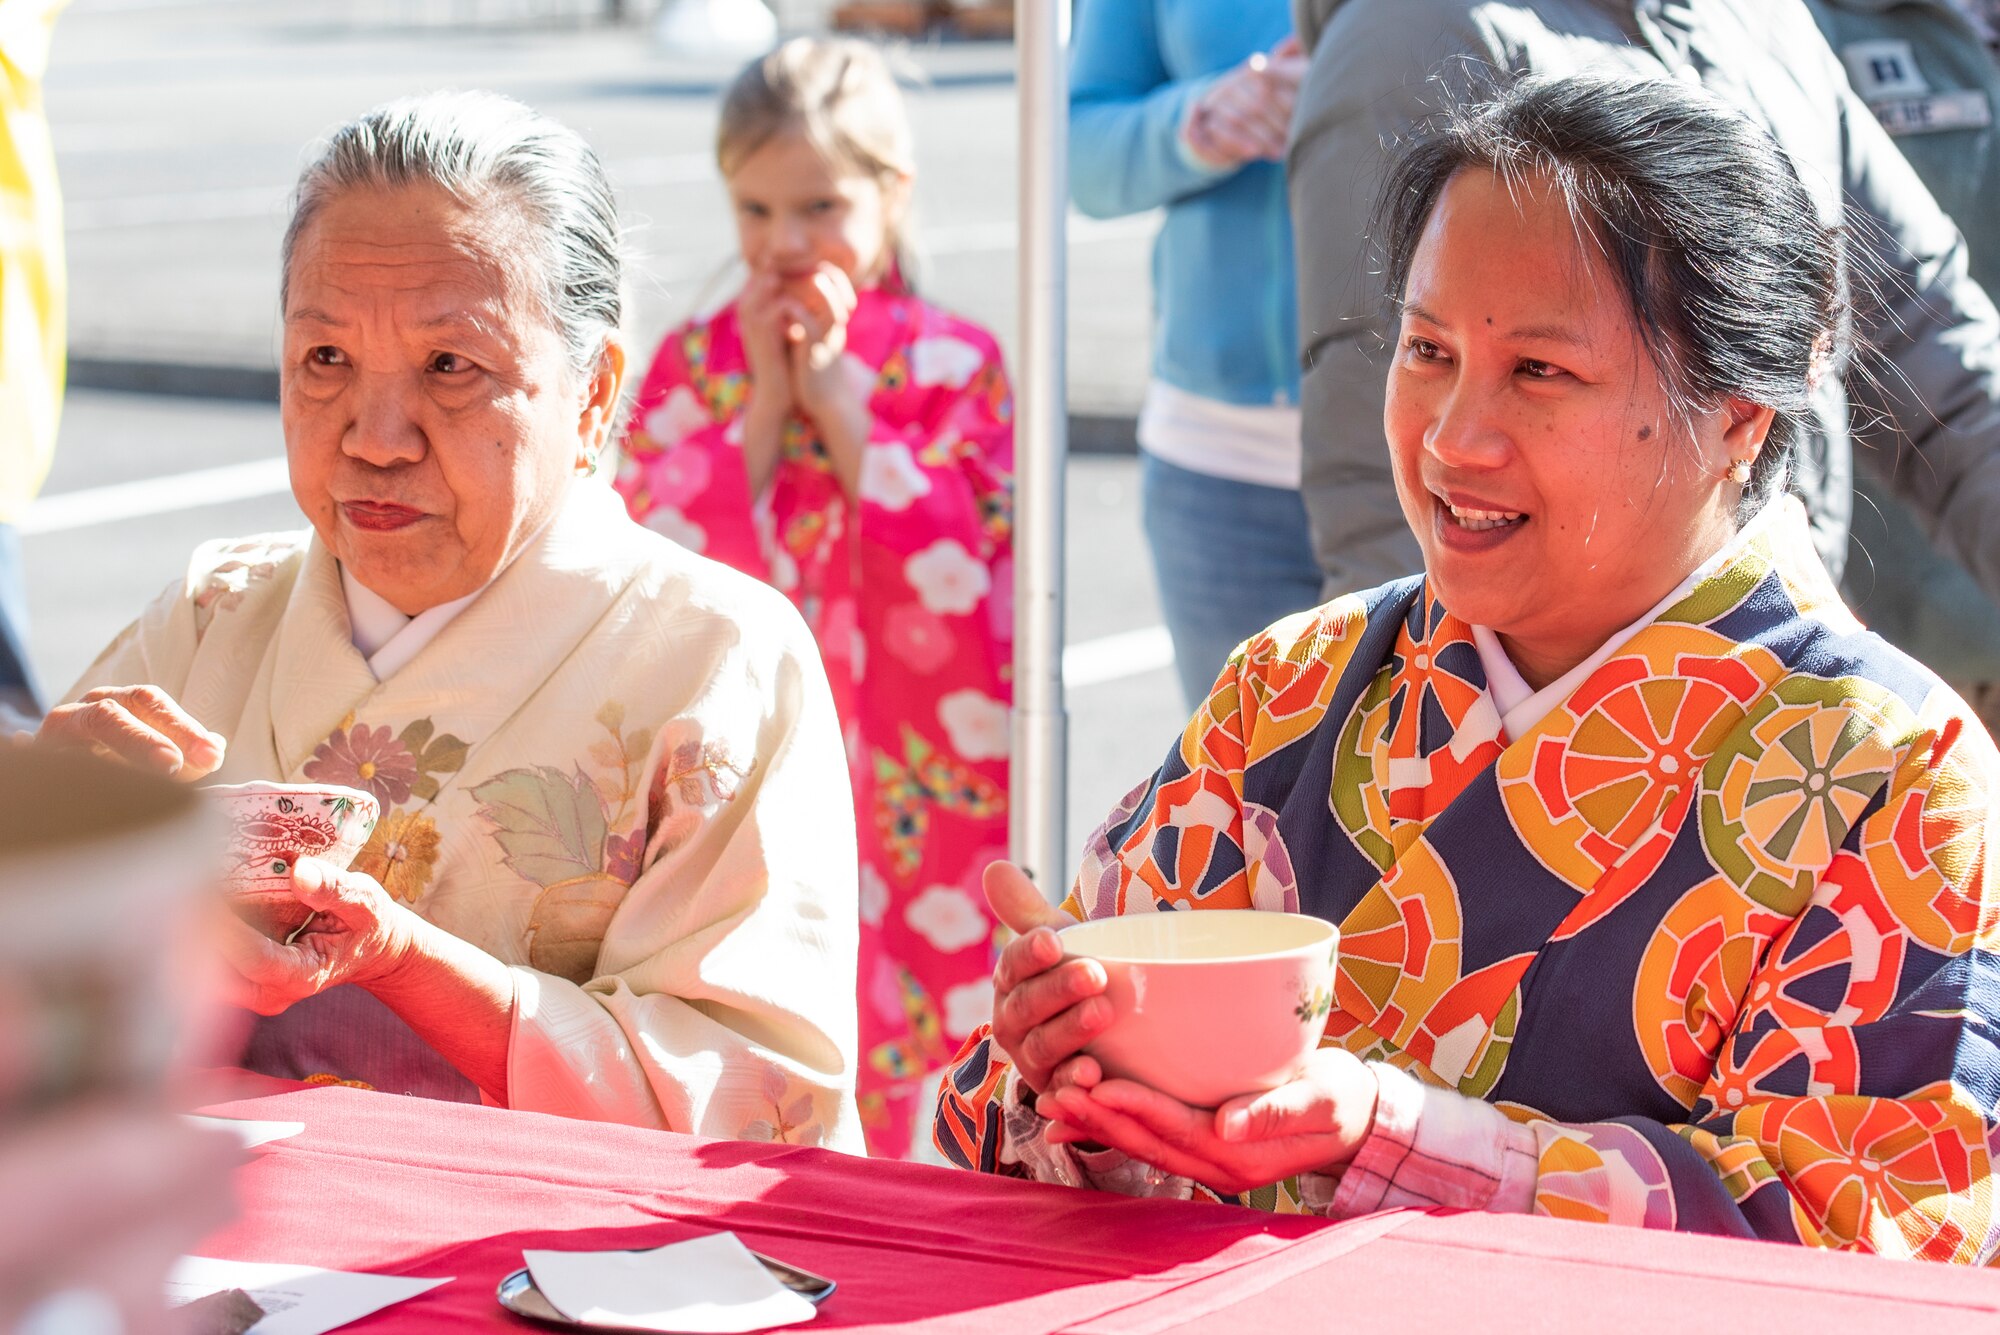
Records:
x=482, y=147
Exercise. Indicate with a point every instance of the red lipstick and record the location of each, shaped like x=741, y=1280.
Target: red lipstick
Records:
x=379, y=516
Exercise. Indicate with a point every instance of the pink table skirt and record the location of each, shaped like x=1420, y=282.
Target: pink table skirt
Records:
x=408, y=1186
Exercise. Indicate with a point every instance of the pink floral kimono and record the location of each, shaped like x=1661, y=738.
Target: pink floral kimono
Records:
x=910, y=596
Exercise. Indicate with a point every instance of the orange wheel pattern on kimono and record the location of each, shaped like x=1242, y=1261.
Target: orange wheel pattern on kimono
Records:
x=1607, y=781
x=1189, y=855
x=1465, y=1037
x=1926, y=857
x=1865, y=951
x=1344, y=1031
x=1399, y=948
x=1360, y=807
x=1213, y=738
x=1602, y=1173
x=1770, y=1065
x=1429, y=688
x=1292, y=675
x=1780, y=795
x=1894, y=1176
x=1691, y=980
x=1738, y=1160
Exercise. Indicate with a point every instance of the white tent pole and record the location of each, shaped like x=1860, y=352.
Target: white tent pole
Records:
x=1038, y=796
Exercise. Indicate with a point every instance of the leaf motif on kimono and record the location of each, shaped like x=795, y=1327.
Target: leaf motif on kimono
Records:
x=550, y=825
x=612, y=716
x=445, y=755
x=608, y=754
x=637, y=743
x=566, y=928
x=418, y=735
x=425, y=788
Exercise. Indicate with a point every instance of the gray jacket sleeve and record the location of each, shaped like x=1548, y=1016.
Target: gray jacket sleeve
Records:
x=1926, y=387
x=1368, y=84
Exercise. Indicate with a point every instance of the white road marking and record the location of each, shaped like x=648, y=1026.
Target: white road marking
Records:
x=1095, y=662
x=156, y=496
x=1111, y=658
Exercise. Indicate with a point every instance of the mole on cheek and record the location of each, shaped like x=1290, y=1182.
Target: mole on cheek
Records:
x=1645, y=433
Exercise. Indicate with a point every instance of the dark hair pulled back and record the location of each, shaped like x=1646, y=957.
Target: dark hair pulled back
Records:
x=1734, y=282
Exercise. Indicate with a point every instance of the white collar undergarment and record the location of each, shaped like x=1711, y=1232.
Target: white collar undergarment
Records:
x=1521, y=706
x=386, y=637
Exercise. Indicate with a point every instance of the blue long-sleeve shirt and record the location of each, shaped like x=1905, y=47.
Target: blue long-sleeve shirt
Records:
x=1225, y=322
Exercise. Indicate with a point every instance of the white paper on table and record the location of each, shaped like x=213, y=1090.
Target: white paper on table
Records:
x=706, y=1286
x=252, y=1134
x=297, y=1299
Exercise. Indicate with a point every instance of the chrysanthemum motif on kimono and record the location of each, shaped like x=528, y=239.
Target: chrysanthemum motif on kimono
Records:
x=405, y=771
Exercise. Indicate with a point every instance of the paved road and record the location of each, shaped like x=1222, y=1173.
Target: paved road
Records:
x=180, y=126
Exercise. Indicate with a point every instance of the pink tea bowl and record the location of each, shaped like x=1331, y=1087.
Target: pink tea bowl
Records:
x=271, y=826
x=1210, y=1003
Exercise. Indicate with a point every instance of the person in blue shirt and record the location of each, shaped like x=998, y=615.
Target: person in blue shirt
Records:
x=1184, y=105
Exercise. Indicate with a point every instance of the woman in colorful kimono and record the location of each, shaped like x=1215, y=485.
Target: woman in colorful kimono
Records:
x=832, y=433
x=1661, y=883
x=607, y=881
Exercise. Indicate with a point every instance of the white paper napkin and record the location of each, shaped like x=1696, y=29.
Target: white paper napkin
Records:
x=297, y=1299
x=707, y=1286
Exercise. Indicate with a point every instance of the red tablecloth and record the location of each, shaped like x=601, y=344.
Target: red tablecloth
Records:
x=407, y=1186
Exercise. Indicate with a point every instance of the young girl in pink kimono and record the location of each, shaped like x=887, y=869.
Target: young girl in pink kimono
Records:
x=834, y=434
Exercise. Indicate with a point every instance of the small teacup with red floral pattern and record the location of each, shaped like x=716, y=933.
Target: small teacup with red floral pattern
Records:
x=272, y=826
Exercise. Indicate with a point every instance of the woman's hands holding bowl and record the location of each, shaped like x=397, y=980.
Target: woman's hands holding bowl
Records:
x=1310, y=1124
x=1047, y=1007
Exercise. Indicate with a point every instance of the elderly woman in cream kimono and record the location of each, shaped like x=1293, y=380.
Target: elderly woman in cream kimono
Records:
x=614, y=873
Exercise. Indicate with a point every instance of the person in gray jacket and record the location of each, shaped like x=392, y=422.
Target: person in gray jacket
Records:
x=1925, y=403
x=1930, y=71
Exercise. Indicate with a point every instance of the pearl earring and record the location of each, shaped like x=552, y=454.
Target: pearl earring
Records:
x=1739, y=472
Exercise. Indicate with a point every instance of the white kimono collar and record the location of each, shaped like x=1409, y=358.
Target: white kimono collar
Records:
x=389, y=637
x=1521, y=706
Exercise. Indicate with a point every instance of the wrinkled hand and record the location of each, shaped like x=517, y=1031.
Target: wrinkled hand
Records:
x=140, y=725
x=1246, y=115
x=818, y=308
x=359, y=935
x=1046, y=1005
x=1311, y=1124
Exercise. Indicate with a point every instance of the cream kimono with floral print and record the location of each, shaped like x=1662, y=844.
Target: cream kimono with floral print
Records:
x=617, y=771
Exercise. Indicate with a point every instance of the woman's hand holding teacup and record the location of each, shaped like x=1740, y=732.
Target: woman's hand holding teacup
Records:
x=140, y=725
x=358, y=934
x=1045, y=1006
